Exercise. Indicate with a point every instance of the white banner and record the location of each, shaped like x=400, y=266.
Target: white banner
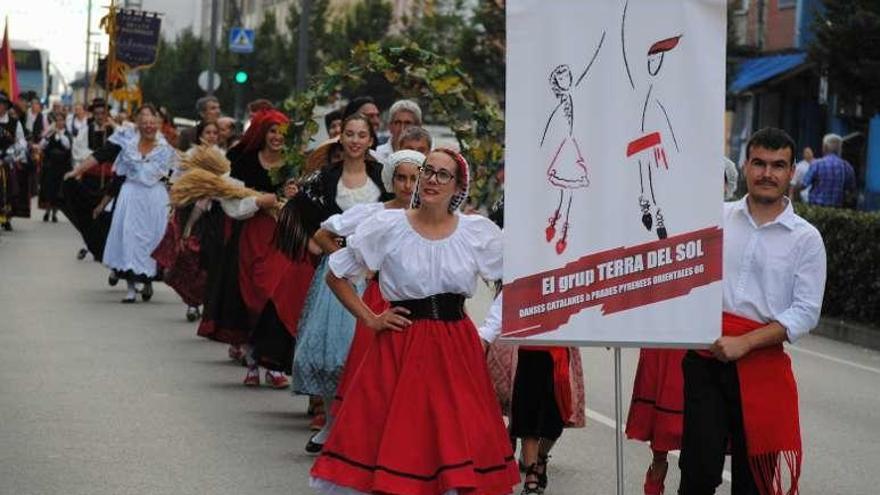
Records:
x=614, y=171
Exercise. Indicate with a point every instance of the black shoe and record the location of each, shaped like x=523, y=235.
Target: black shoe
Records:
x=46, y=217
x=113, y=278
x=313, y=447
x=147, y=292
x=81, y=254
x=542, y=475
x=192, y=313
x=54, y=217
x=532, y=487
x=7, y=226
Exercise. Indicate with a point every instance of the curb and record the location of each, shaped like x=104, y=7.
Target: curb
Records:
x=851, y=333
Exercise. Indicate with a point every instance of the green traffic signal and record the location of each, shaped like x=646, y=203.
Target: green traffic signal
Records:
x=241, y=77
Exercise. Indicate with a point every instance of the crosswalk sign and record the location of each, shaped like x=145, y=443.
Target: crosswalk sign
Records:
x=241, y=40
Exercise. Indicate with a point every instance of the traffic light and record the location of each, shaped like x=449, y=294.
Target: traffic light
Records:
x=241, y=77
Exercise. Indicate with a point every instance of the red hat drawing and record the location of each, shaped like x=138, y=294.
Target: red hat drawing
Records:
x=663, y=46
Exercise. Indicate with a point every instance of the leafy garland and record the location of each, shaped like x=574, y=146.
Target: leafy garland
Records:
x=473, y=116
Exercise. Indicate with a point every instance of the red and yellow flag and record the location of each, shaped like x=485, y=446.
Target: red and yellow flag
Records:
x=8, y=77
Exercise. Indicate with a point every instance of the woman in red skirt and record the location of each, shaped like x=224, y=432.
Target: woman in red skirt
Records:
x=399, y=175
x=657, y=409
x=420, y=416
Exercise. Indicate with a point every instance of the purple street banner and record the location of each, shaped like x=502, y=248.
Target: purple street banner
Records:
x=137, y=38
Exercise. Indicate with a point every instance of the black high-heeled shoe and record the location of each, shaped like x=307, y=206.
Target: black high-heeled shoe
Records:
x=542, y=476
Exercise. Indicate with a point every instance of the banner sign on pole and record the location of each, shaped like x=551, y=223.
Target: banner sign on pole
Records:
x=614, y=171
x=137, y=38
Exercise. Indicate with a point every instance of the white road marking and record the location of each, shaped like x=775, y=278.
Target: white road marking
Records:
x=605, y=420
x=834, y=359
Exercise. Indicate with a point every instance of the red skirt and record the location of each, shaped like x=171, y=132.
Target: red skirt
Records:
x=657, y=408
x=360, y=344
x=420, y=418
x=179, y=260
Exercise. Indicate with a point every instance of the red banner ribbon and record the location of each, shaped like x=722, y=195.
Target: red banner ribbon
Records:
x=618, y=280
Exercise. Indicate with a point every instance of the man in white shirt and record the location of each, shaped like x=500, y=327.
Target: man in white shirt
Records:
x=799, y=190
x=742, y=393
x=404, y=114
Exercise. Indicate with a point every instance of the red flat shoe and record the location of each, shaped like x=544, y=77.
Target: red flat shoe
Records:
x=654, y=483
x=253, y=378
x=235, y=353
x=276, y=380
x=318, y=422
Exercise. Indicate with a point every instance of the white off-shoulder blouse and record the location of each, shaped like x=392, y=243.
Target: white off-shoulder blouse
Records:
x=413, y=267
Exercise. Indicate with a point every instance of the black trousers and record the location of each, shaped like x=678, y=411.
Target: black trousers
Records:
x=712, y=423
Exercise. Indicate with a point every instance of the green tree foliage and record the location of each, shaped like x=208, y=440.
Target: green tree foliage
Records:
x=319, y=36
x=266, y=66
x=173, y=81
x=367, y=22
x=415, y=73
x=847, y=45
x=438, y=30
x=482, y=48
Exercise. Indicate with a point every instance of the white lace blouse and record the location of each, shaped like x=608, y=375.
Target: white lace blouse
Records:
x=367, y=193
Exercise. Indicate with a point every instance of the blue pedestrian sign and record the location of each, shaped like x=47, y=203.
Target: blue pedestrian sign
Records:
x=241, y=40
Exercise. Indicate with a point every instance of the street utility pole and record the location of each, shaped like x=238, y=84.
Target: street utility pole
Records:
x=88, y=47
x=212, y=63
x=302, y=56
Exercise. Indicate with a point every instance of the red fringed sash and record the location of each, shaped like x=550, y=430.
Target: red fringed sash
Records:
x=561, y=378
x=770, y=411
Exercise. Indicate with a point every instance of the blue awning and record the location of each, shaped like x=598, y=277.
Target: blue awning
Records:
x=754, y=71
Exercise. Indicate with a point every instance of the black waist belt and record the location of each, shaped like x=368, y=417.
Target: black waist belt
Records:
x=443, y=307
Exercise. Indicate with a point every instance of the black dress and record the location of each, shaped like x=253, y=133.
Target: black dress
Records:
x=56, y=163
x=80, y=197
x=225, y=316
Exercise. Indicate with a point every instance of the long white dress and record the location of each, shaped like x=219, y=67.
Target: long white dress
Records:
x=141, y=210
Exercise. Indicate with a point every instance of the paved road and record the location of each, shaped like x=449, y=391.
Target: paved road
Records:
x=100, y=398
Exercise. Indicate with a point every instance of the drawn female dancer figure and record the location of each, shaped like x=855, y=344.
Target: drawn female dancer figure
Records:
x=648, y=147
x=565, y=172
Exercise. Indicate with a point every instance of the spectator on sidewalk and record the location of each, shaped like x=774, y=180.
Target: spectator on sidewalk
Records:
x=830, y=178
x=403, y=114
x=209, y=111
x=798, y=191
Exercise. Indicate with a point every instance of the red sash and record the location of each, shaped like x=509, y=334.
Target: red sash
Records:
x=770, y=411
x=561, y=378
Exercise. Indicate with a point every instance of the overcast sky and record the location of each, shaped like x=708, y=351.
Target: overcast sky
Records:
x=59, y=26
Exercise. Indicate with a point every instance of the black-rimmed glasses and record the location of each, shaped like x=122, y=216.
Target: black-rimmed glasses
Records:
x=441, y=175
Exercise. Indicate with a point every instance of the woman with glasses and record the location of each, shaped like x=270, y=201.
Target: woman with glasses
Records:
x=325, y=329
x=420, y=415
x=399, y=176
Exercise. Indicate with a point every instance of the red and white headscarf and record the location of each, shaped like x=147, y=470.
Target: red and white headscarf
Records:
x=463, y=175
